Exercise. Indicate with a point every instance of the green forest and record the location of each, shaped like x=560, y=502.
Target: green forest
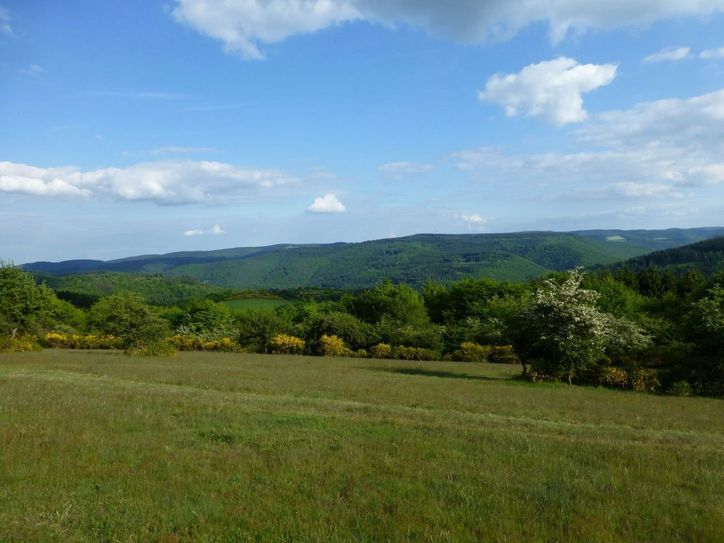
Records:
x=628, y=327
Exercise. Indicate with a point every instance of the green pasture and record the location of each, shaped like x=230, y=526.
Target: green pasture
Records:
x=98, y=446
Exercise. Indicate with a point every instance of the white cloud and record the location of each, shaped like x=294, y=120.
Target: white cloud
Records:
x=34, y=70
x=550, y=89
x=669, y=54
x=695, y=124
x=712, y=53
x=240, y=25
x=244, y=25
x=399, y=169
x=215, y=230
x=5, y=27
x=652, y=150
x=475, y=218
x=164, y=182
x=326, y=204
x=474, y=221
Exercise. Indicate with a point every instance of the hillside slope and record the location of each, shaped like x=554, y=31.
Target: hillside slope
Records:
x=706, y=256
x=413, y=259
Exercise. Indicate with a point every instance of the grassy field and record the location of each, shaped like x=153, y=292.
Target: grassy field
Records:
x=96, y=446
x=255, y=303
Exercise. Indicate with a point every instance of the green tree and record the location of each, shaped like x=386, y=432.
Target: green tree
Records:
x=24, y=305
x=564, y=332
x=129, y=318
x=398, y=303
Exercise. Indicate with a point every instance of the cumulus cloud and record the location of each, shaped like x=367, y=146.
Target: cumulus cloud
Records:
x=215, y=230
x=399, y=169
x=651, y=150
x=668, y=54
x=712, y=53
x=473, y=221
x=163, y=182
x=552, y=89
x=5, y=19
x=328, y=203
x=244, y=25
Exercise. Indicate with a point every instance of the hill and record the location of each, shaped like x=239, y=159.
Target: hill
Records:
x=706, y=256
x=84, y=289
x=412, y=259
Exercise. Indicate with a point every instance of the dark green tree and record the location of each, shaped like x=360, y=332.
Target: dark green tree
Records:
x=24, y=305
x=129, y=318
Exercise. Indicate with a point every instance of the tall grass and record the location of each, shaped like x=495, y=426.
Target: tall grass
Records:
x=227, y=447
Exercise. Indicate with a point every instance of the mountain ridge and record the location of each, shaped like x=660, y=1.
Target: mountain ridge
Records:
x=412, y=259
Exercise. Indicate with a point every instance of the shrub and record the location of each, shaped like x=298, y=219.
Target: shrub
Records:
x=613, y=378
x=414, y=353
x=503, y=354
x=333, y=346
x=381, y=350
x=58, y=340
x=193, y=342
x=471, y=352
x=642, y=380
x=286, y=344
x=681, y=388
x=18, y=344
x=158, y=348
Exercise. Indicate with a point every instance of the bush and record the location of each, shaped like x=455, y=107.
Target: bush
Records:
x=613, y=378
x=158, y=348
x=414, y=353
x=193, y=342
x=471, y=352
x=58, y=340
x=681, y=388
x=503, y=354
x=381, y=350
x=642, y=380
x=18, y=344
x=286, y=344
x=333, y=346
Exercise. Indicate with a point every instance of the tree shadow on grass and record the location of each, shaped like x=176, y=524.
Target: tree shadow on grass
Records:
x=439, y=373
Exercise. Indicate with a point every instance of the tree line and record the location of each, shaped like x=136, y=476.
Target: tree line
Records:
x=632, y=329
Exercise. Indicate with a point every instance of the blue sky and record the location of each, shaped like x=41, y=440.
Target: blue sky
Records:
x=143, y=126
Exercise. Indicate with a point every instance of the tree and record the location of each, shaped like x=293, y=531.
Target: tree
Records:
x=129, y=318
x=24, y=305
x=398, y=303
x=564, y=331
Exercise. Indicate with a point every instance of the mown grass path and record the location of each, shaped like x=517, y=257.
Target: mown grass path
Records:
x=96, y=446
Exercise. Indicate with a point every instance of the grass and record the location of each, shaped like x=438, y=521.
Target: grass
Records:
x=97, y=446
x=255, y=303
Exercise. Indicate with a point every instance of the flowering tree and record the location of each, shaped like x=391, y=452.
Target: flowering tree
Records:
x=567, y=333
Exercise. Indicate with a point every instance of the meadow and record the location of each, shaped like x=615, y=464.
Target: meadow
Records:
x=98, y=446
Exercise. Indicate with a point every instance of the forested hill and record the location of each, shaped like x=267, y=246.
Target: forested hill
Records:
x=413, y=259
x=705, y=256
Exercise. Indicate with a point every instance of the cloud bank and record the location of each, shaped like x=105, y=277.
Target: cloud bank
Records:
x=243, y=26
x=654, y=149
x=163, y=182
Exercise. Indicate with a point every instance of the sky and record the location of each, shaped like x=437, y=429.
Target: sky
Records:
x=141, y=126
